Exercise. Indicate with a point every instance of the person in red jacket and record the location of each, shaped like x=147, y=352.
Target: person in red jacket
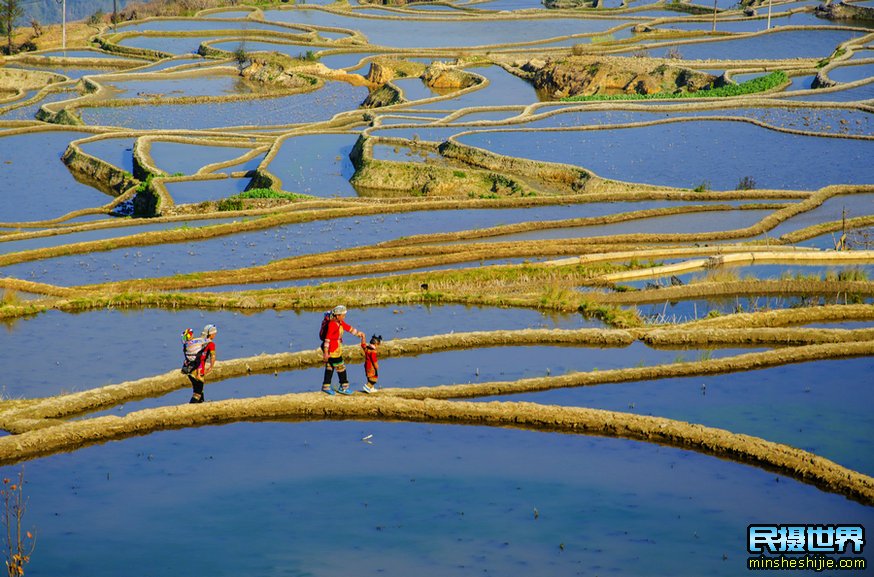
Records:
x=371, y=362
x=332, y=351
x=205, y=364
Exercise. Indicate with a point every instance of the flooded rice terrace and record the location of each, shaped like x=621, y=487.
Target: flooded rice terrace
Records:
x=619, y=256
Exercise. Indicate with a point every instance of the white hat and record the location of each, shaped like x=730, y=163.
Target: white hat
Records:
x=338, y=310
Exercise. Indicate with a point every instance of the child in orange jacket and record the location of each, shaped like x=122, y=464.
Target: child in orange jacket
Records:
x=371, y=362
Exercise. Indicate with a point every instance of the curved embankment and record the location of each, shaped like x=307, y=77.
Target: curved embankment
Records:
x=801, y=465
x=816, y=345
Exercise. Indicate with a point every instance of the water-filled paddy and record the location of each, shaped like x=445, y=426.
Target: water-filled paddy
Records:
x=414, y=88
x=863, y=92
x=177, y=157
x=217, y=83
x=193, y=191
x=481, y=365
x=263, y=246
x=78, y=54
x=316, y=164
x=322, y=104
x=425, y=499
x=757, y=271
x=197, y=24
x=104, y=233
x=116, y=151
x=177, y=45
x=293, y=50
x=147, y=340
x=50, y=192
x=817, y=406
x=434, y=499
x=28, y=112
x=818, y=120
x=503, y=89
x=728, y=150
x=688, y=223
x=832, y=210
x=851, y=73
x=680, y=311
x=778, y=44
x=72, y=72
x=437, y=33
x=748, y=24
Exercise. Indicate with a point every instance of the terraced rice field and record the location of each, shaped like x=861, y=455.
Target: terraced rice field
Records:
x=617, y=331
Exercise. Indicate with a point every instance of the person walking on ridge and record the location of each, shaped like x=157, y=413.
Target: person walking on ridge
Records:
x=333, y=326
x=371, y=362
x=200, y=368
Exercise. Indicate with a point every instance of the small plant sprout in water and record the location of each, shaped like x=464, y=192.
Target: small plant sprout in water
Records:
x=19, y=544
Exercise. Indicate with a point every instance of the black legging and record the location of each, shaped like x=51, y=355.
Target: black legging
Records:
x=196, y=385
x=329, y=374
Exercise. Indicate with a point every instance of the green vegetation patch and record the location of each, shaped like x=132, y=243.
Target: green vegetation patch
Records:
x=760, y=84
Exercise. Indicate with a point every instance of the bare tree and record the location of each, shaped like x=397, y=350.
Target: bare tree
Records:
x=19, y=543
x=10, y=12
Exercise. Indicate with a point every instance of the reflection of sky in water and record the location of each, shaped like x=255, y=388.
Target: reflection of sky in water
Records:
x=70, y=72
x=436, y=33
x=775, y=45
x=116, y=151
x=293, y=50
x=832, y=210
x=421, y=499
x=491, y=115
x=139, y=225
x=824, y=405
x=851, y=73
x=675, y=224
x=231, y=14
x=504, y=4
x=823, y=120
x=414, y=88
x=344, y=60
x=450, y=367
x=687, y=310
x=748, y=24
x=171, y=63
x=50, y=191
x=720, y=152
x=321, y=104
x=217, y=83
x=202, y=190
x=86, y=361
x=503, y=89
x=864, y=92
x=803, y=82
x=167, y=44
x=758, y=271
x=436, y=134
x=175, y=157
x=403, y=154
x=263, y=246
x=196, y=24
x=316, y=164
x=79, y=54
x=28, y=112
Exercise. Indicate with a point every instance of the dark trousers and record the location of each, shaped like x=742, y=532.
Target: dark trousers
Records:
x=196, y=384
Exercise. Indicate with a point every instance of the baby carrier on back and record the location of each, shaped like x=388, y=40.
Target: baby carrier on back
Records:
x=192, y=350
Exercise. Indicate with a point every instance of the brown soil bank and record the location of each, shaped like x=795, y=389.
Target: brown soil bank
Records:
x=842, y=11
x=801, y=465
x=588, y=75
